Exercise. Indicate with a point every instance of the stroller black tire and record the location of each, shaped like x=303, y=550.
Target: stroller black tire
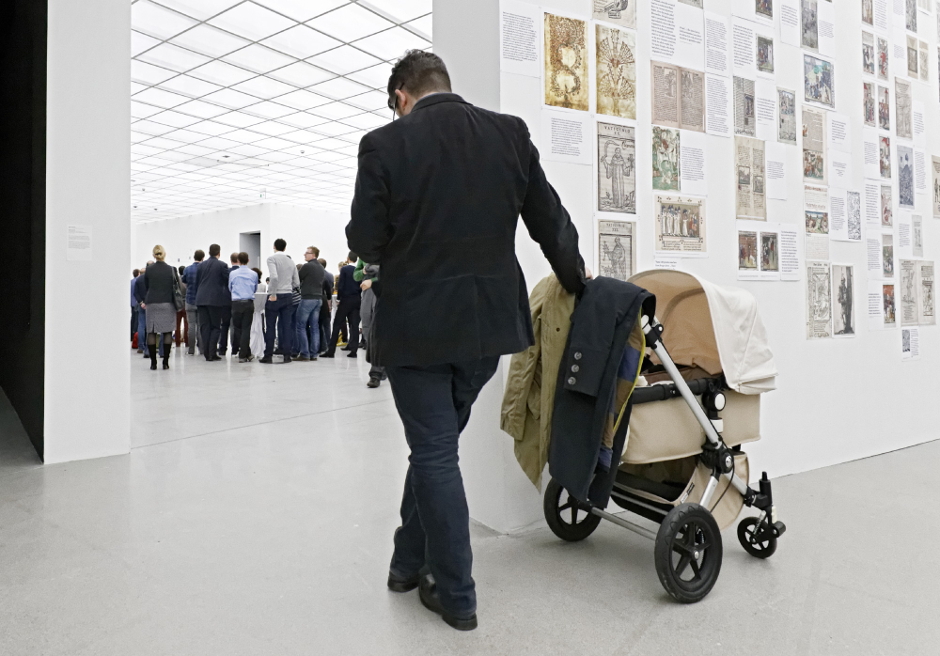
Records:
x=688, y=553
x=757, y=542
x=569, y=520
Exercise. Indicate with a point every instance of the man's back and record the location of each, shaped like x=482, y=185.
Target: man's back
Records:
x=212, y=283
x=346, y=286
x=437, y=202
x=190, y=279
x=283, y=274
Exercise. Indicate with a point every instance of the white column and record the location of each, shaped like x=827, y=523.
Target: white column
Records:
x=499, y=494
x=87, y=397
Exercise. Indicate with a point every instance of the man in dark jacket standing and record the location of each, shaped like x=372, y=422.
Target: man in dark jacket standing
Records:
x=327, y=308
x=312, y=275
x=349, y=297
x=226, y=324
x=212, y=297
x=438, y=196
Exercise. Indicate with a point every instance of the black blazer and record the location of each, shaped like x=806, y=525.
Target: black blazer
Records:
x=587, y=380
x=157, y=286
x=212, y=283
x=438, y=196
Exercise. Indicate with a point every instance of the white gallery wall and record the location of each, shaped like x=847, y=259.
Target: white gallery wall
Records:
x=299, y=226
x=837, y=399
x=87, y=230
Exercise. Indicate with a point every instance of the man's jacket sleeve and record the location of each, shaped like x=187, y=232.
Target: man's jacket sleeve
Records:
x=369, y=230
x=550, y=225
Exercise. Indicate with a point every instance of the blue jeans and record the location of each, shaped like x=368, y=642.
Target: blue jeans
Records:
x=308, y=316
x=278, y=316
x=434, y=405
x=142, y=331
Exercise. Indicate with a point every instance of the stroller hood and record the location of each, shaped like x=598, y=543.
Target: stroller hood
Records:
x=715, y=328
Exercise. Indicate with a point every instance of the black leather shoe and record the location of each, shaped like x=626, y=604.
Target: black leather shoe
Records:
x=373, y=382
x=216, y=359
x=399, y=584
x=428, y=594
x=265, y=360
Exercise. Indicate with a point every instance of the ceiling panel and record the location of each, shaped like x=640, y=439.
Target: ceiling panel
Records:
x=302, y=10
x=157, y=21
x=199, y=9
x=350, y=22
x=237, y=102
x=251, y=21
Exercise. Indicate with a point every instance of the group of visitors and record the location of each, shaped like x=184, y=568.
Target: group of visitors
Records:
x=287, y=316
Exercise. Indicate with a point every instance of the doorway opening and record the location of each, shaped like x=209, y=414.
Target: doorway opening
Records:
x=250, y=242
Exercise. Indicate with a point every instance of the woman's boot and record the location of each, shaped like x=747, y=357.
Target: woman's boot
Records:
x=167, y=346
x=153, y=357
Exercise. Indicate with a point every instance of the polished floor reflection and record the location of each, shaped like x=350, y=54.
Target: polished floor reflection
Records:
x=255, y=513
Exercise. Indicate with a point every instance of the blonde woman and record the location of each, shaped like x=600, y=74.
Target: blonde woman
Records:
x=159, y=280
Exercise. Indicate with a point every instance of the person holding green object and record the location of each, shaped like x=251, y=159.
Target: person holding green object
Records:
x=368, y=277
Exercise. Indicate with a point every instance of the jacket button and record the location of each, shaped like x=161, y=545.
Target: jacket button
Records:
x=572, y=380
x=575, y=368
x=577, y=356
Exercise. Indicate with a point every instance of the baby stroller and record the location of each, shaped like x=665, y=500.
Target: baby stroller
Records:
x=693, y=408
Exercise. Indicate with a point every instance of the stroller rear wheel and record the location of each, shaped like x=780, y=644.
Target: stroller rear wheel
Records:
x=688, y=553
x=567, y=518
x=757, y=538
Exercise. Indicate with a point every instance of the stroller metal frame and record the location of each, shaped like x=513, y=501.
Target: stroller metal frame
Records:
x=688, y=530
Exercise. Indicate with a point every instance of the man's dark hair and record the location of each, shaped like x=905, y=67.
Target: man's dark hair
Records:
x=136, y=272
x=322, y=262
x=258, y=271
x=353, y=257
x=214, y=250
x=234, y=258
x=199, y=255
x=181, y=269
x=418, y=73
x=242, y=258
x=314, y=250
x=280, y=245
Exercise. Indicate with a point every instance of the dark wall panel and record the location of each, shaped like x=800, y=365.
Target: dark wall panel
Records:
x=22, y=208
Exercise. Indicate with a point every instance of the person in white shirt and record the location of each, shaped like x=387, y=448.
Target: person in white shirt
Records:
x=278, y=310
x=257, y=323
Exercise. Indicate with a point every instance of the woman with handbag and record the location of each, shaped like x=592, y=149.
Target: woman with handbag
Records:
x=162, y=300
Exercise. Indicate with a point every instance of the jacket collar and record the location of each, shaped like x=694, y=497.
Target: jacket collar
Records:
x=436, y=98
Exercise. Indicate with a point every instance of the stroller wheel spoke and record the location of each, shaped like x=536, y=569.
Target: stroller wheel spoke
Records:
x=574, y=514
x=681, y=549
x=696, y=569
x=683, y=564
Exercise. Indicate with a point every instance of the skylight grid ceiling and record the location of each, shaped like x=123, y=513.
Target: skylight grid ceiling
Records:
x=239, y=102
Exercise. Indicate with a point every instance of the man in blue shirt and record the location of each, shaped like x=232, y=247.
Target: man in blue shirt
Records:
x=243, y=283
x=192, y=312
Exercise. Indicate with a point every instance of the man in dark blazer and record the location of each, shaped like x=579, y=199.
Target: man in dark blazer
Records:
x=212, y=297
x=438, y=196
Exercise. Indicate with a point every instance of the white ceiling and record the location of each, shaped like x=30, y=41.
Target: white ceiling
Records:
x=239, y=102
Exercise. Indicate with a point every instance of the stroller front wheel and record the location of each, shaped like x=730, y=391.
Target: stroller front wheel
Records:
x=688, y=553
x=567, y=518
x=757, y=538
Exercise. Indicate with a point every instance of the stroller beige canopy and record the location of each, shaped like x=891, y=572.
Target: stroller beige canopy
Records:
x=717, y=329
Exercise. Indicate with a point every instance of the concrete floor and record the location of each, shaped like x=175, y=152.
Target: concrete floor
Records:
x=255, y=514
